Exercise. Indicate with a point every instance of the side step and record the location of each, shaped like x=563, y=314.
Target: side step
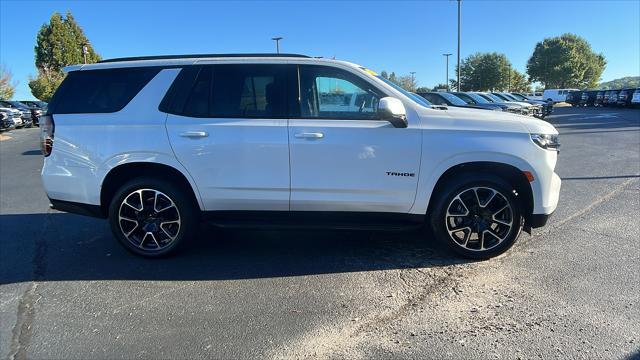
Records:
x=277, y=220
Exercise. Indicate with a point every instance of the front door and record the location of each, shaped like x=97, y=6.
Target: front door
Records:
x=343, y=157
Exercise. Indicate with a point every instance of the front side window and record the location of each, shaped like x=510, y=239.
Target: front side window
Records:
x=331, y=93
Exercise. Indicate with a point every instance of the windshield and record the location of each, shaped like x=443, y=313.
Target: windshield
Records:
x=494, y=98
x=509, y=96
x=417, y=98
x=518, y=96
x=18, y=105
x=452, y=98
x=479, y=99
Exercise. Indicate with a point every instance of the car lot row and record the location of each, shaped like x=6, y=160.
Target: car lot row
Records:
x=622, y=98
x=18, y=114
x=513, y=102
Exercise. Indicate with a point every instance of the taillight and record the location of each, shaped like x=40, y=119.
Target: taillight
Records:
x=47, y=128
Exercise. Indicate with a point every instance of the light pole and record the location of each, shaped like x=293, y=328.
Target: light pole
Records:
x=447, y=70
x=85, y=51
x=458, y=68
x=277, y=40
x=413, y=79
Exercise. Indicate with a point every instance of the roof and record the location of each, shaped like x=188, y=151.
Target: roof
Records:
x=186, y=60
x=197, y=56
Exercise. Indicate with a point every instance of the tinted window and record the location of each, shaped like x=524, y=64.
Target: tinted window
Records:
x=230, y=91
x=99, y=91
x=249, y=91
x=331, y=93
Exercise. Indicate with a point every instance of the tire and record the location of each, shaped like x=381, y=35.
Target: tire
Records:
x=497, y=235
x=152, y=217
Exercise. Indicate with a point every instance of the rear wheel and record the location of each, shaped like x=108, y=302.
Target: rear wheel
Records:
x=152, y=217
x=477, y=216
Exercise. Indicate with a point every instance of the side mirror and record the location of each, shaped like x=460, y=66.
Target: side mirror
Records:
x=393, y=111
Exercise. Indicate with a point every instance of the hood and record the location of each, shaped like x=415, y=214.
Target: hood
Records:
x=6, y=109
x=458, y=118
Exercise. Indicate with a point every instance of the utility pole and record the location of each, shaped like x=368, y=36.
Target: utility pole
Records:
x=447, y=71
x=458, y=69
x=413, y=80
x=277, y=40
x=85, y=51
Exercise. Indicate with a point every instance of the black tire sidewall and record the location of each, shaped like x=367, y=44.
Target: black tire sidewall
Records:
x=462, y=182
x=189, y=216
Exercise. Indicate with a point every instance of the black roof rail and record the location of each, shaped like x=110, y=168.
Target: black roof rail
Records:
x=192, y=56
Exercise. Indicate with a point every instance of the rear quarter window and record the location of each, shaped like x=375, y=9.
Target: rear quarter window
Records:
x=99, y=91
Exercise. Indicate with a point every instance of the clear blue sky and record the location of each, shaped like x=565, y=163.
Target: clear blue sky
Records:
x=382, y=35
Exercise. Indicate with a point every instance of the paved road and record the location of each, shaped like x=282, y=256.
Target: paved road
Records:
x=67, y=290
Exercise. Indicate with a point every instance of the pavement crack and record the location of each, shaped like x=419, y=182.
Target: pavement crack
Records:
x=23, y=328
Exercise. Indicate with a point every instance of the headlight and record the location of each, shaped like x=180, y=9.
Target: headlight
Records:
x=546, y=141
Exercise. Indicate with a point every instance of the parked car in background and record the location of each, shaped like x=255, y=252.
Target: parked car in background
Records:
x=625, y=96
x=6, y=121
x=599, y=98
x=476, y=100
x=534, y=109
x=588, y=98
x=573, y=98
x=612, y=99
x=14, y=115
x=448, y=99
x=521, y=109
x=557, y=95
x=635, y=100
x=546, y=106
x=25, y=112
x=534, y=96
x=38, y=108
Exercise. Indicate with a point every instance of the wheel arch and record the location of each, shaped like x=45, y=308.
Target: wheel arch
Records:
x=508, y=172
x=120, y=174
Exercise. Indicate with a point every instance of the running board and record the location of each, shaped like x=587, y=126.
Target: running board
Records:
x=272, y=220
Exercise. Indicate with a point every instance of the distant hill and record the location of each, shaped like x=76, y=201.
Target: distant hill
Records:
x=625, y=82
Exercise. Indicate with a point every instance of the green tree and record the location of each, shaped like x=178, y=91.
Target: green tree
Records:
x=621, y=83
x=384, y=74
x=58, y=44
x=484, y=71
x=519, y=82
x=422, y=89
x=565, y=61
x=7, y=85
x=439, y=87
x=393, y=78
x=408, y=83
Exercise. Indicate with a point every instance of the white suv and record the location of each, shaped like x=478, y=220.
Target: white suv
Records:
x=156, y=144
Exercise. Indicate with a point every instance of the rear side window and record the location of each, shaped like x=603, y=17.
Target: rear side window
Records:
x=99, y=91
x=230, y=91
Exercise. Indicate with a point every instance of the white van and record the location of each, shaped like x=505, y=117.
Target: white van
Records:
x=556, y=95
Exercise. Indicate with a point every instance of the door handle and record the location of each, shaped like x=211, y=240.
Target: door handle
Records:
x=311, y=135
x=194, y=134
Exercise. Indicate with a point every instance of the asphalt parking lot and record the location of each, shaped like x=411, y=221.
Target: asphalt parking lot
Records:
x=572, y=289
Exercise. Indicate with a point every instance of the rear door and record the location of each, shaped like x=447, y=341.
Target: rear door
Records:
x=228, y=126
x=343, y=157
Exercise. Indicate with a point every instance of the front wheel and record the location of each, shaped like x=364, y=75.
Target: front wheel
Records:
x=477, y=216
x=151, y=217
